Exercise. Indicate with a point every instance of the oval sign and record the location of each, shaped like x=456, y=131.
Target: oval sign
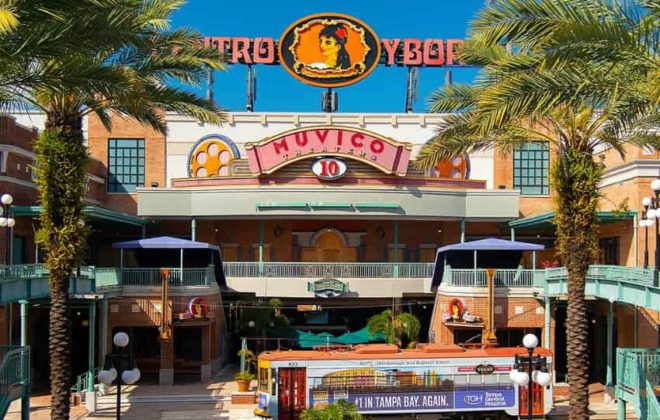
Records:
x=329, y=50
x=484, y=369
x=198, y=307
x=329, y=168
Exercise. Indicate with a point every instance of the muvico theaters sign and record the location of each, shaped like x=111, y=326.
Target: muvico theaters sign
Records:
x=334, y=50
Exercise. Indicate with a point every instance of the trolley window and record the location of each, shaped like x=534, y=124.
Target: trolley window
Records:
x=264, y=385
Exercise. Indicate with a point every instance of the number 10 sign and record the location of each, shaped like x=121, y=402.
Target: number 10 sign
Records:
x=329, y=168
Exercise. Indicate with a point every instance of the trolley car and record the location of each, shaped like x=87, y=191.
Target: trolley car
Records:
x=382, y=379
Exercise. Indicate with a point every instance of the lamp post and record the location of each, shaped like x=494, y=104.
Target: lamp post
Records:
x=652, y=210
x=119, y=366
x=645, y=222
x=537, y=370
x=7, y=222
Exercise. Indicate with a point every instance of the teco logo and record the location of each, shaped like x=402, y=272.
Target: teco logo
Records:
x=329, y=168
x=329, y=50
x=484, y=369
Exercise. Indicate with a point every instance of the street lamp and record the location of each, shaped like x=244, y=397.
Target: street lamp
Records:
x=652, y=210
x=8, y=222
x=119, y=366
x=537, y=370
x=645, y=222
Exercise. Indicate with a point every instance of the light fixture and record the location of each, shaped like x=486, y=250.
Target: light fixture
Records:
x=6, y=199
x=530, y=341
x=120, y=339
x=251, y=324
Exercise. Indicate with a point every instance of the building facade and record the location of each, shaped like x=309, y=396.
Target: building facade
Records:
x=328, y=213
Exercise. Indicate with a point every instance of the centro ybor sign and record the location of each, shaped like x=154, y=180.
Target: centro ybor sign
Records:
x=273, y=153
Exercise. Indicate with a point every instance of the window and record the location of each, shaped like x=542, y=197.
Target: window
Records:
x=531, y=165
x=125, y=164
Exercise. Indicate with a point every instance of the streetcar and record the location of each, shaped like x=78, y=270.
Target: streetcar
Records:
x=428, y=381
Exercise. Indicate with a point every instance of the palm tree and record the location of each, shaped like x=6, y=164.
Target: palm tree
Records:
x=546, y=77
x=8, y=19
x=394, y=327
x=124, y=62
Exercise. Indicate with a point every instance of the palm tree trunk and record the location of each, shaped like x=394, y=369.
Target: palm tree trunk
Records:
x=575, y=177
x=61, y=157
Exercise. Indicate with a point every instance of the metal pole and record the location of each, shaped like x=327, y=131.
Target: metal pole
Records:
x=92, y=344
x=181, y=268
x=396, y=250
x=635, y=240
x=261, y=248
x=513, y=234
x=646, y=247
x=547, y=322
x=529, y=385
x=119, y=372
x=7, y=237
x=657, y=243
x=610, y=356
x=635, y=314
x=24, y=315
x=462, y=230
x=534, y=260
x=104, y=329
x=243, y=349
x=11, y=323
x=193, y=229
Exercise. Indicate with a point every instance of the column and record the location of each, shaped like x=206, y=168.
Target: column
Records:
x=462, y=230
x=395, y=272
x=90, y=397
x=193, y=229
x=547, y=314
x=24, y=317
x=609, y=381
x=166, y=373
x=261, y=248
x=104, y=329
x=513, y=234
x=205, y=371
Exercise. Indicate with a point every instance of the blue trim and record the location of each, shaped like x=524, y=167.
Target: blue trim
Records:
x=226, y=140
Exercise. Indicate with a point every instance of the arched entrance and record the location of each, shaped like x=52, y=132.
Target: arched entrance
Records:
x=329, y=245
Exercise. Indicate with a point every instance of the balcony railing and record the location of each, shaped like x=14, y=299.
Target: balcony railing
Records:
x=638, y=376
x=328, y=270
x=477, y=277
x=151, y=277
x=637, y=275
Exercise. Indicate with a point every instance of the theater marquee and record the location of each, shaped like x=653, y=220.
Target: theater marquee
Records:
x=273, y=153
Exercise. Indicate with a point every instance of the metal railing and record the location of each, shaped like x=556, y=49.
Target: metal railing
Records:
x=328, y=270
x=153, y=276
x=637, y=372
x=637, y=275
x=477, y=278
x=14, y=375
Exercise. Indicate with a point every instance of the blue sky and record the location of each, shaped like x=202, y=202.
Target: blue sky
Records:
x=382, y=91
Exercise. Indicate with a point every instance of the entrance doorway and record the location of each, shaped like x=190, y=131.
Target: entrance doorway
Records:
x=329, y=245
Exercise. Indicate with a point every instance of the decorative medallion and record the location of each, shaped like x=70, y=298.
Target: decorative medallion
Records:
x=329, y=50
x=211, y=155
x=455, y=168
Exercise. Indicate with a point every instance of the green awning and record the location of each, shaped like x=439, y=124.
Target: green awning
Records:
x=545, y=221
x=92, y=212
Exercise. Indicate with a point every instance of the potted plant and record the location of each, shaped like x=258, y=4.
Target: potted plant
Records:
x=243, y=379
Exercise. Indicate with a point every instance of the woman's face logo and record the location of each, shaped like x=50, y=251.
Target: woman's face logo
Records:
x=330, y=49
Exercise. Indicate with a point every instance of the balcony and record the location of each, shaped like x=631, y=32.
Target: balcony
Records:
x=525, y=278
x=296, y=279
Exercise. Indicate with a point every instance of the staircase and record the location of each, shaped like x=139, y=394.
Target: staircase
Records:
x=14, y=376
x=638, y=379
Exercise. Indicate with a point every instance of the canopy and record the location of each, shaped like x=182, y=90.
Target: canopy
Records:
x=309, y=340
x=484, y=253
x=164, y=242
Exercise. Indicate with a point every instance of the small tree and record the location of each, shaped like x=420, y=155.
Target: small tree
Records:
x=340, y=410
x=395, y=327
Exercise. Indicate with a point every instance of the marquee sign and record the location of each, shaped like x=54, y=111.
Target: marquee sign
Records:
x=273, y=153
x=333, y=50
x=328, y=50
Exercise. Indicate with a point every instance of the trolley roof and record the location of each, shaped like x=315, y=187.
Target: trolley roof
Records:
x=391, y=351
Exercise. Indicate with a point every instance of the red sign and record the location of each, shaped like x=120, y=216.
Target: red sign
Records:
x=270, y=154
x=198, y=307
x=432, y=52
